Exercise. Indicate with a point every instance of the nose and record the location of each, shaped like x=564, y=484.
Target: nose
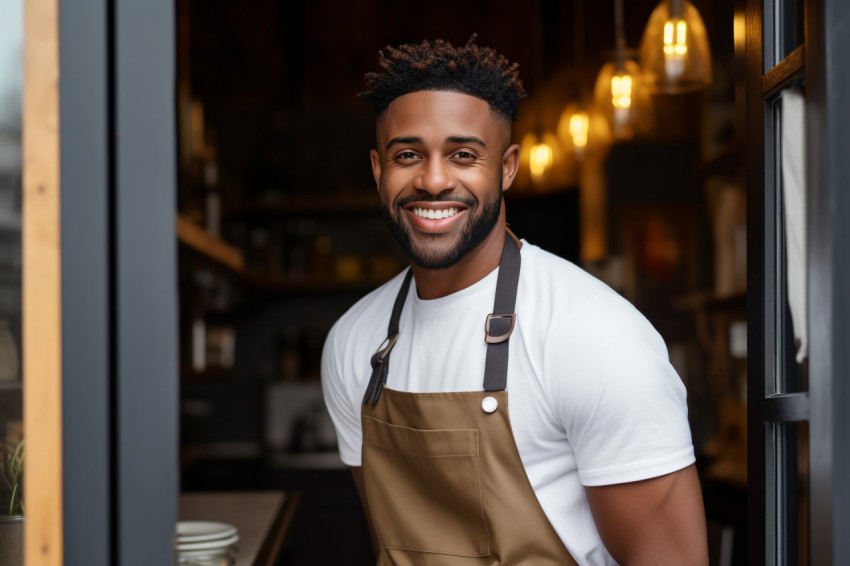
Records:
x=436, y=177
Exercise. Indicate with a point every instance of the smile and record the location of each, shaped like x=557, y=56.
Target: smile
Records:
x=433, y=214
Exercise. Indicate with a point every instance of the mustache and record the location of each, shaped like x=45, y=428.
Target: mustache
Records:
x=428, y=197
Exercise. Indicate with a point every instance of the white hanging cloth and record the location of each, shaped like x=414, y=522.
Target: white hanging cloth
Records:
x=794, y=196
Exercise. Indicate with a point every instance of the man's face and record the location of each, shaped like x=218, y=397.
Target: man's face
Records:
x=442, y=161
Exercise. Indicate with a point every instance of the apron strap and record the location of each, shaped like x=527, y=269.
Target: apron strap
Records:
x=500, y=324
x=497, y=328
x=381, y=359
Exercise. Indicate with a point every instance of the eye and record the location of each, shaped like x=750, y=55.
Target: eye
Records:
x=406, y=157
x=464, y=157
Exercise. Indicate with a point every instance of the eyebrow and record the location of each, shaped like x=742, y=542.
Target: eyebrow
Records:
x=403, y=140
x=451, y=139
x=467, y=139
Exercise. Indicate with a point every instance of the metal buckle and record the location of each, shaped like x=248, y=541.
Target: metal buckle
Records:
x=500, y=337
x=384, y=351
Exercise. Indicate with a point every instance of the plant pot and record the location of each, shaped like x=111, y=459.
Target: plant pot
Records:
x=11, y=540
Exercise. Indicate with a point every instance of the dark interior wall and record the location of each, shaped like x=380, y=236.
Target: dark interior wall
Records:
x=279, y=79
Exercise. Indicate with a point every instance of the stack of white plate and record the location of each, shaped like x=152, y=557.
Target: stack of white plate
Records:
x=205, y=543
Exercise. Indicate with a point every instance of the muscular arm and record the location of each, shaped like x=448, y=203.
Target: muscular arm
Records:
x=655, y=521
x=357, y=473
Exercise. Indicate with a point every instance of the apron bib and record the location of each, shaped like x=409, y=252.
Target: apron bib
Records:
x=443, y=476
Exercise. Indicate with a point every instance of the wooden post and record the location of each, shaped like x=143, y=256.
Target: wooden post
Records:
x=42, y=340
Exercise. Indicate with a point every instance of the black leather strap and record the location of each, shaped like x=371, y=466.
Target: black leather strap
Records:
x=501, y=323
x=497, y=327
x=381, y=359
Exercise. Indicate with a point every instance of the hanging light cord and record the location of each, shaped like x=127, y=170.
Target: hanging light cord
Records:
x=620, y=52
x=578, y=49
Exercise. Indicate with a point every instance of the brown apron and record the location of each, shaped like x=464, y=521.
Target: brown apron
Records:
x=444, y=480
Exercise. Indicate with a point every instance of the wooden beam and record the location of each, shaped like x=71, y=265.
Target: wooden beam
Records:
x=211, y=246
x=42, y=339
x=784, y=73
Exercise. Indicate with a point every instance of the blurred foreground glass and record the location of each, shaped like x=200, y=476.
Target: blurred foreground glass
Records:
x=11, y=166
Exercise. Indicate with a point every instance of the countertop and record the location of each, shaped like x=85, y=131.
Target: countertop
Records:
x=261, y=517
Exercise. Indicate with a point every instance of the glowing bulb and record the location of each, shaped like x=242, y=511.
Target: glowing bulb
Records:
x=621, y=91
x=579, y=125
x=675, y=47
x=621, y=98
x=541, y=158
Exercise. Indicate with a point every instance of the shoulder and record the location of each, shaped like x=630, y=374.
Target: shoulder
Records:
x=589, y=340
x=562, y=297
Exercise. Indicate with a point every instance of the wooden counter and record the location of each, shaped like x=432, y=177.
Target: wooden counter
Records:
x=261, y=517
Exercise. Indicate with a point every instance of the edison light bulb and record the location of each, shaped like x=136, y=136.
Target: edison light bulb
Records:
x=621, y=97
x=541, y=158
x=579, y=126
x=675, y=47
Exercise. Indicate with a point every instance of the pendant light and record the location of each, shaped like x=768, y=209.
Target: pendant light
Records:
x=619, y=93
x=541, y=155
x=539, y=149
x=579, y=125
x=674, y=51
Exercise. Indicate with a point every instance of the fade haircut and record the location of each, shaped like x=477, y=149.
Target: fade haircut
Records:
x=470, y=69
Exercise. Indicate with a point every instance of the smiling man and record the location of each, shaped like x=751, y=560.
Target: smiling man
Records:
x=592, y=461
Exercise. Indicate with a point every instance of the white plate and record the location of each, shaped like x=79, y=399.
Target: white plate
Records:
x=225, y=556
x=198, y=531
x=208, y=545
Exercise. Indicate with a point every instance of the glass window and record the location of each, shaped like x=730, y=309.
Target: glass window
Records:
x=784, y=30
x=11, y=429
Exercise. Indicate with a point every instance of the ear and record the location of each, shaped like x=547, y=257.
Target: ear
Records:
x=510, y=166
x=376, y=166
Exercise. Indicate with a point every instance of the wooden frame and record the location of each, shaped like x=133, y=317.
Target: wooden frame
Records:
x=42, y=286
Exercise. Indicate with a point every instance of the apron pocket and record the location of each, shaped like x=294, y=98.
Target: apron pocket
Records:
x=424, y=488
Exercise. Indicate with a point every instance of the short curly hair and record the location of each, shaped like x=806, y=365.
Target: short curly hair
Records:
x=470, y=69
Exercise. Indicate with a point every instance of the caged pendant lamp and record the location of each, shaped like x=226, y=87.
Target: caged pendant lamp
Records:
x=674, y=51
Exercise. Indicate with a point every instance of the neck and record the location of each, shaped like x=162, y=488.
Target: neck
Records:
x=474, y=266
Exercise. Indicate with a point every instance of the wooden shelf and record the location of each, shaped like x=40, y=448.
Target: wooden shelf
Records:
x=206, y=244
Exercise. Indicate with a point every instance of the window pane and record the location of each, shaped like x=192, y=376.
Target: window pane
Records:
x=790, y=27
x=787, y=497
x=11, y=80
x=802, y=493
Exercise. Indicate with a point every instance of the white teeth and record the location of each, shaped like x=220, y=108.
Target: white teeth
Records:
x=433, y=214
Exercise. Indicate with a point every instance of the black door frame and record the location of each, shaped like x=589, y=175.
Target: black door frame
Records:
x=823, y=65
x=828, y=179
x=119, y=300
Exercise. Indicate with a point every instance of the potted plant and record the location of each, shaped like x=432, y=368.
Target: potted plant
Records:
x=12, y=512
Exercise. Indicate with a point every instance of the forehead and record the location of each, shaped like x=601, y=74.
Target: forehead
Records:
x=441, y=114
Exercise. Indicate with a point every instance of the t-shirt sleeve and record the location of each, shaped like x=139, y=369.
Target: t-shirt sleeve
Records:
x=621, y=402
x=344, y=413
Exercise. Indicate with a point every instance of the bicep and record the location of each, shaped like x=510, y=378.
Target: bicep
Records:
x=655, y=521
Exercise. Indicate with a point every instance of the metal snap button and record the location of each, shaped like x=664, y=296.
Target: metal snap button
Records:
x=489, y=404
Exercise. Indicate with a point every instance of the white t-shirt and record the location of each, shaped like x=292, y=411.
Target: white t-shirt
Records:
x=593, y=399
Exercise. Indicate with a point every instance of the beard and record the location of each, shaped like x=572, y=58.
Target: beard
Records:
x=477, y=228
